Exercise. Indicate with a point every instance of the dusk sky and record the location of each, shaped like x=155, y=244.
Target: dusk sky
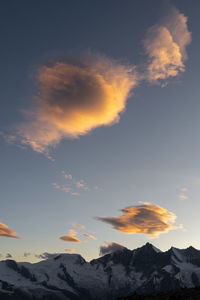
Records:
x=99, y=126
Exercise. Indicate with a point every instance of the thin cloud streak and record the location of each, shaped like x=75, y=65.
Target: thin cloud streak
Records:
x=90, y=236
x=70, y=250
x=77, y=225
x=145, y=218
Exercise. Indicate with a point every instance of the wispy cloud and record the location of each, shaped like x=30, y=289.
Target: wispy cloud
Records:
x=145, y=218
x=74, y=97
x=90, y=236
x=109, y=248
x=67, y=175
x=183, y=197
x=70, y=250
x=183, y=194
x=75, y=194
x=73, y=186
x=77, y=225
x=165, y=45
x=64, y=188
x=5, y=231
x=81, y=185
x=70, y=237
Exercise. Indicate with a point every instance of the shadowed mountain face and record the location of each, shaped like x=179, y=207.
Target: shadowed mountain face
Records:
x=183, y=294
x=121, y=273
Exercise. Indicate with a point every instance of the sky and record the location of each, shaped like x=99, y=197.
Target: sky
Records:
x=99, y=126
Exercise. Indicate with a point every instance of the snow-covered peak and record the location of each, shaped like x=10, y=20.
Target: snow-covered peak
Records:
x=69, y=276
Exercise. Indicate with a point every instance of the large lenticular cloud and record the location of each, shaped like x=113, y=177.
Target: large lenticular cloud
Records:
x=76, y=97
x=146, y=218
x=165, y=45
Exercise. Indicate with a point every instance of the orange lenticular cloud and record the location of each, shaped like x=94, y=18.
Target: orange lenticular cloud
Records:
x=74, y=97
x=165, y=44
x=5, y=231
x=145, y=218
x=70, y=237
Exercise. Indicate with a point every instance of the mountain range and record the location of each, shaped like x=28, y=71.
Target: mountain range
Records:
x=124, y=272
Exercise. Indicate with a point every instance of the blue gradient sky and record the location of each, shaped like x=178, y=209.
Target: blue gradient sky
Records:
x=150, y=155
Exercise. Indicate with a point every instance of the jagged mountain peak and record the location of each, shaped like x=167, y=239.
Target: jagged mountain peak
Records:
x=69, y=256
x=150, y=247
x=68, y=276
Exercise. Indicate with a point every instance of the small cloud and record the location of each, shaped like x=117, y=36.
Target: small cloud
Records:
x=26, y=254
x=75, y=194
x=8, y=255
x=79, y=184
x=145, y=218
x=8, y=138
x=89, y=236
x=64, y=188
x=96, y=187
x=110, y=247
x=165, y=45
x=73, y=187
x=184, y=190
x=72, y=232
x=46, y=255
x=183, y=194
x=70, y=237
x=183, y=197
x=66, y=176
x=70, y=250
x=79, y=226
x=7, y=232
